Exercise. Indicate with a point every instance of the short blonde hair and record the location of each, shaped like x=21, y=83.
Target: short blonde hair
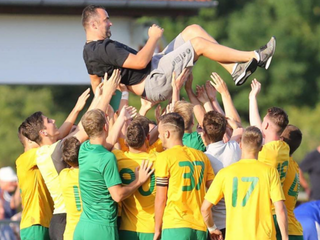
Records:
x=185, y=110
x=93, y=122
x=252, y=139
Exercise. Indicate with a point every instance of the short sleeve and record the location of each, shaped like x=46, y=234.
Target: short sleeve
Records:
x=215, y=192
x=162, y=168
x=276, y=191
x=109, y=169
x=115, y=53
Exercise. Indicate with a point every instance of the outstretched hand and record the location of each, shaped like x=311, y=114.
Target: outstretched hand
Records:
x=178, y=82
x=128, y=112
x=218, y=83
x=211, y=91
x=255, y=88
x=143, y=172
x=202, y=94
x=110, y=85
x=82, y=100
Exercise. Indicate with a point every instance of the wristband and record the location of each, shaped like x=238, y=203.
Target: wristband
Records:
x=125, y=95
x=213, y=228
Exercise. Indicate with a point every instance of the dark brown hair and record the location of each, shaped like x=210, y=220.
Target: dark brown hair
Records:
x=70, y=151
x=214, y=125
x=293, y=137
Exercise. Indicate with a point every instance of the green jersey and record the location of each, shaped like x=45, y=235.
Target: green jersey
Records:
x=98, y=171
x=193, y=140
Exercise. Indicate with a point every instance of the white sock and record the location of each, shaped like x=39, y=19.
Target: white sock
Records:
x=258, y=56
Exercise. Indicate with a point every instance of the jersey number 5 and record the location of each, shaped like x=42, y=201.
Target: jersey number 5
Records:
x=253, y=180
x=189, y=175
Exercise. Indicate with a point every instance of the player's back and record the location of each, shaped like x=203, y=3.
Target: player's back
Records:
x=276, y=154
x=248, y=187
x=188, y=170
x=69, y=179
x=137, y=209
x=36, y=200
x=291, y=191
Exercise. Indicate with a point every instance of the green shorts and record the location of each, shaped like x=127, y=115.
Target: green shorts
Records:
x=35, y=232
x=124, y=235
x=90, y=230
x=183, y=234
x=291, y=237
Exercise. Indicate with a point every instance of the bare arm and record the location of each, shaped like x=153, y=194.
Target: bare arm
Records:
x=204, y=99
x=198, y=110
x=15, y=199
x=282, y=218
x=222, y=88
x=68, y=123
x=178, y=82
x=126, y=114
x=144, y=56
x=212, y=95
x=121, y=192
x=254, y=116
x=95, y=81
x=207, y=217
x=159, y=206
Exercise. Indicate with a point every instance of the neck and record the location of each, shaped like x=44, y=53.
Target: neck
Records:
x=101, y=140
x=143, y=149
x=271, y=137
x=249, y=155
x=93, y=37
x=174, y=143
x=47, y=141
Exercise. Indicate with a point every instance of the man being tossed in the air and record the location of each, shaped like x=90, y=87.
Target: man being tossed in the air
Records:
x=149, y=75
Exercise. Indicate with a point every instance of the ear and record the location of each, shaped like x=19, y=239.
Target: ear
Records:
x=105, y=127
x=148, y=137
x=240, y=144
x=267, y=125
x=167, y=134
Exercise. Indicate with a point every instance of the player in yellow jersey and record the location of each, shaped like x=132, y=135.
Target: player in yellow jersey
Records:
x=138, y=209
x=36, y=200
x=275, y=152
x=293, y=137
x=69, y=179
x=248, y=187
x=152, y=142
x=182, y=175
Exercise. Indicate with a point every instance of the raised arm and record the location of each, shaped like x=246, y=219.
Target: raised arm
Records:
x=254, y=116
x=144, y=56
x=212, y=95
x=177, y=83
x=95, y=81
x=198, y=110
x=204, y=99
x=221, y=87
x=126, y=113
x=68, y=123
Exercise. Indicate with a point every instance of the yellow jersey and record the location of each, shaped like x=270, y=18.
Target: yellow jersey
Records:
x=138, y=209
x=276, y=154
x=50, y=176
x=291, y=191
x=69, y=179
x=36, y=200
x=247, y=187
x=186, y=171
